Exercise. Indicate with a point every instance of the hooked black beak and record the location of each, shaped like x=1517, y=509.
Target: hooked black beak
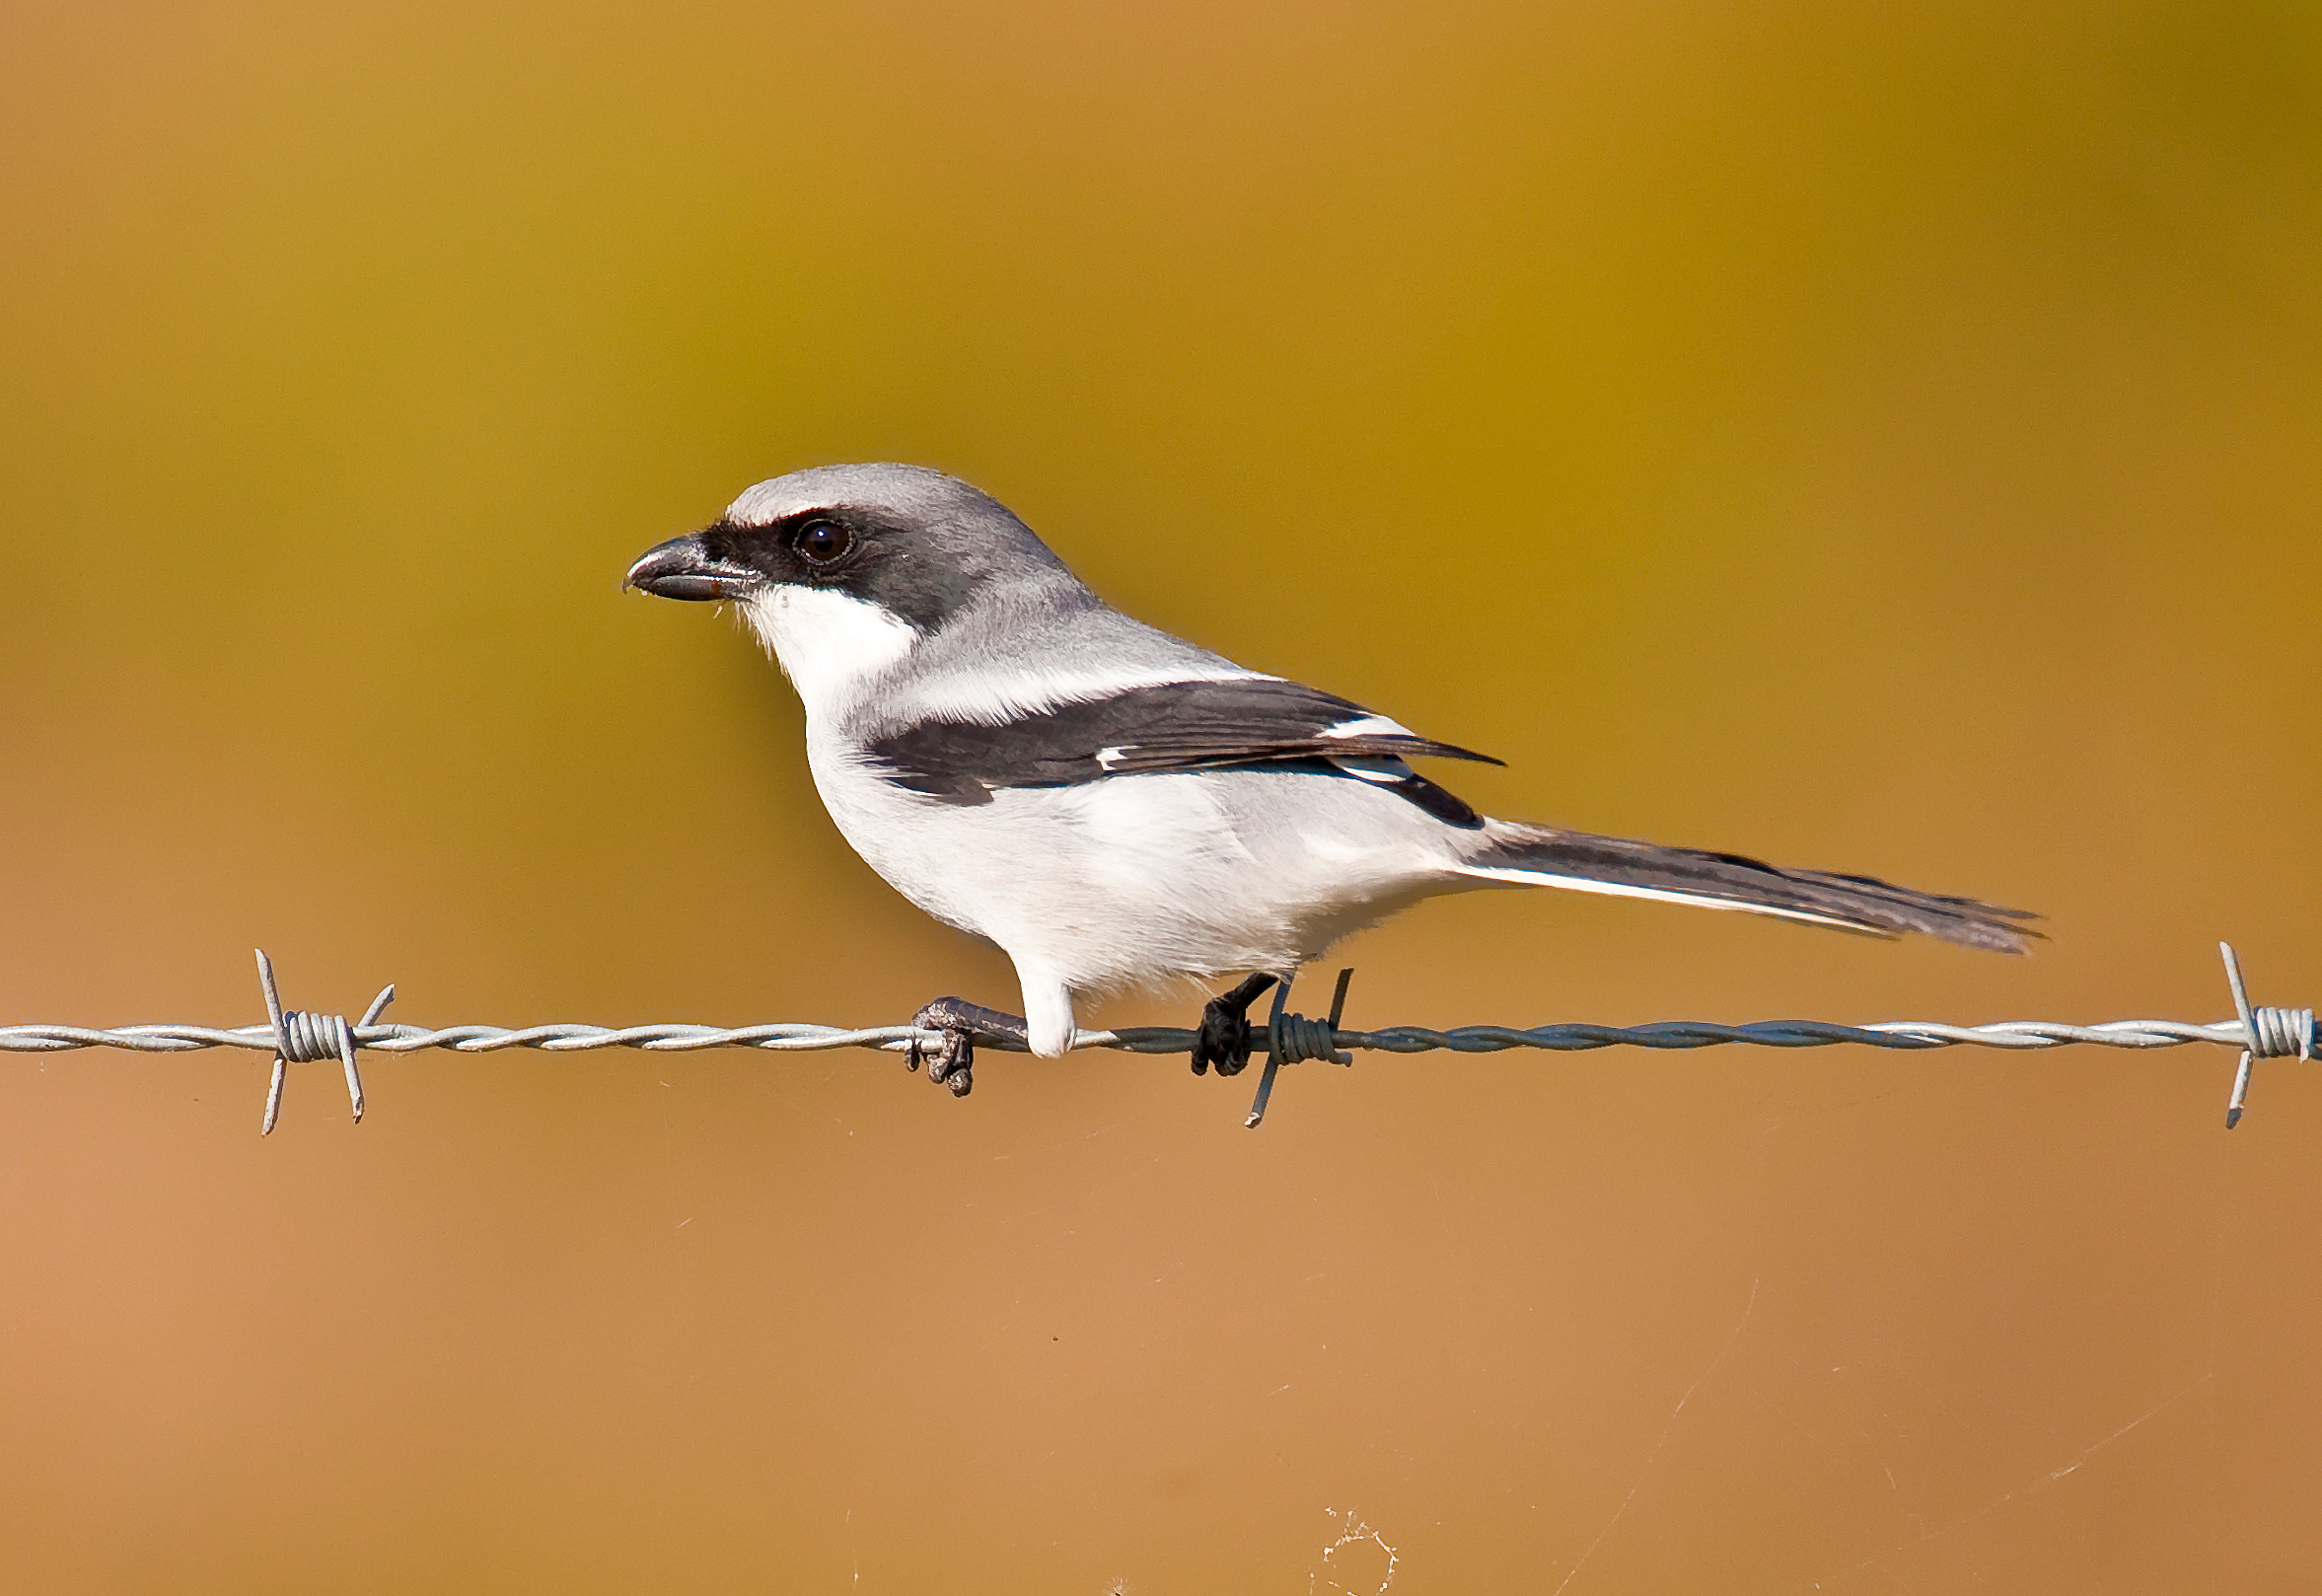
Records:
x=685, y=568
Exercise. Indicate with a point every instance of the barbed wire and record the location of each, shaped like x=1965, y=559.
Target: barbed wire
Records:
x=293, y=1037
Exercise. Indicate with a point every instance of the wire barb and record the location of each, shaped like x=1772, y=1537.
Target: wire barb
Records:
x=310, y=1039
x=1293, y=1039
x=2267, y=1033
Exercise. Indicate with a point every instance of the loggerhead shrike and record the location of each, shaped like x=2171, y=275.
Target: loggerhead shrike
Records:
x=1112, y=806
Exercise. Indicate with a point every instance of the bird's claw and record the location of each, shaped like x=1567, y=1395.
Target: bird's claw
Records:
x=1224, y=1037
x=951, y=1062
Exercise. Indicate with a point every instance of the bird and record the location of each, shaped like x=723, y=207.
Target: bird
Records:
x=1114, y=807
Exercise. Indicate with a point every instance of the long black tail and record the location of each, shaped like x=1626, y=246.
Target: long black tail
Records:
x=1540, y=855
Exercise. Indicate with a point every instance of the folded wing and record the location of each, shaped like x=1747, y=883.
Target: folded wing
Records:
x=1240, y=724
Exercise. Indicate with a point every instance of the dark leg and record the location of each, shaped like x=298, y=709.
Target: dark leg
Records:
x=1224, y=1037
x=953, y=1060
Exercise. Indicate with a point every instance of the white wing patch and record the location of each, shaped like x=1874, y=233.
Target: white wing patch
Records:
x=1368, y=726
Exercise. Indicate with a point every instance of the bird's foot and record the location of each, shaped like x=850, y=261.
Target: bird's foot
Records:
x=952, y=1061
x=1224, y=1037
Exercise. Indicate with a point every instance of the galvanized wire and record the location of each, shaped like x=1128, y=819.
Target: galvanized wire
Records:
x=300, y=1038
x=796, y=1037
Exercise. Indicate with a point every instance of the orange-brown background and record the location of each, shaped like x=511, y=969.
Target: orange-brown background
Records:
x=1884, y=438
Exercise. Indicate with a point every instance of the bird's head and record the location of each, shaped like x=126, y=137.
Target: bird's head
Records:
x=842, y=569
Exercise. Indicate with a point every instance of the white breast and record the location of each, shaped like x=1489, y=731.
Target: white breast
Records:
x=1136, y=880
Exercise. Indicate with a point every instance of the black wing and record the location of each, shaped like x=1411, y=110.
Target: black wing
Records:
x=1245, y=723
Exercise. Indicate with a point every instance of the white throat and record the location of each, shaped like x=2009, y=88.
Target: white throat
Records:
x=829, y=643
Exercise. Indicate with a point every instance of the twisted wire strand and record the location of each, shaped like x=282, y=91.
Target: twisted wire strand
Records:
x=2276, y=1033
x=296, y=1036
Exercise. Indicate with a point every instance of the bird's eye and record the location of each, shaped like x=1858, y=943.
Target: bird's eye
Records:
x=823, y=541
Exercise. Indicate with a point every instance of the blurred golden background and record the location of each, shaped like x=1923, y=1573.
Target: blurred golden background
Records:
x=1884, y=440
